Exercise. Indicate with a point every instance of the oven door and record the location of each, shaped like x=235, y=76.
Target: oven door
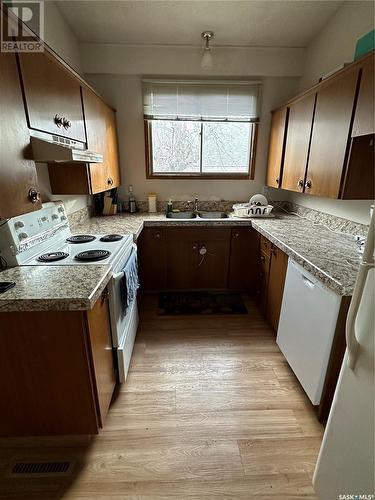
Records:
x=125, y=350
x=119, y=321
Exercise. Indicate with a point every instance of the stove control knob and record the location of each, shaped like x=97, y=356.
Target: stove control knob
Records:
x=19, y=224
x=55, y=216
x=23, y=236
x=60, y=209
x=63, y=217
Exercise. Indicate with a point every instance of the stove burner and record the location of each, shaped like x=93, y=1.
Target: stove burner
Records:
x=92, y=255
x=53, y=256
x=111, y=237
x=81, y=238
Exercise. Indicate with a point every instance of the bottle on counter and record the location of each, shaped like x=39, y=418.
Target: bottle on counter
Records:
x=169, y=208
x=132, y=201
x=152, y=202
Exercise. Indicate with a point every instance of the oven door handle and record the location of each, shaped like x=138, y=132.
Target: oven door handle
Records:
x=118, y=276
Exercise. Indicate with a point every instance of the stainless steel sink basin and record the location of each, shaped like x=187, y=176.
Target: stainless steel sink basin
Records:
x=181, y=215
x=213, y=215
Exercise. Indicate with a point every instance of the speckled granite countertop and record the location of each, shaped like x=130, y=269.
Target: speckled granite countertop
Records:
x=133, y=224
x=331, y=257
x=47, y=288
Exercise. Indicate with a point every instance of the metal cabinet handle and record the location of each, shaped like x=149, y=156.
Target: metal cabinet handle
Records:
x=110, y=181
x=300, y=183
x=33, y=195
x=236, y=235
x=105, y=295
x=58, y=120
x=308, y=184
x=262, y=258
x=66, y=123
x=277, y=180
x=157, y=235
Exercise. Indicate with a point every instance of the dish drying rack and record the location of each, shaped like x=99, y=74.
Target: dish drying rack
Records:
x=245, y=210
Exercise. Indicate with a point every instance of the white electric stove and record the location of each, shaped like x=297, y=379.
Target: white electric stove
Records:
x=44, y=238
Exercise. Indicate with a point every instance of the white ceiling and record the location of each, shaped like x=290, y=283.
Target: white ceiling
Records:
x=264, y=23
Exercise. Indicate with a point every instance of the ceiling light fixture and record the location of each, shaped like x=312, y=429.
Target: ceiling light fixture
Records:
x=207, y=61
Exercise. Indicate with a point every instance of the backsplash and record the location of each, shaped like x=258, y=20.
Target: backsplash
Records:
x=211, y=205
x=79, y=216
x=332, y=221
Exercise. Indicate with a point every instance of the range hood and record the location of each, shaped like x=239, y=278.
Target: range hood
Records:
x=48, y=148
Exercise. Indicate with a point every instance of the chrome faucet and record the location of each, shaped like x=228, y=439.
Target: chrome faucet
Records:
x=188, y=203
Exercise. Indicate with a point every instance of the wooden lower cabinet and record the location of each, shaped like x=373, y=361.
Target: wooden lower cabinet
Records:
x=272, y=267
x=243, y=257
x=198, y=258
x=193, y=258
x=152, y=257
x=56, y=371
x=275, y=289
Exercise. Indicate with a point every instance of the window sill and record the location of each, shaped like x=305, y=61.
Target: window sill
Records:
x=200, y=176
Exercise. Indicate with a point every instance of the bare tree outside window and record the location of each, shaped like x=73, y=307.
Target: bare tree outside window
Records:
x=199, y=148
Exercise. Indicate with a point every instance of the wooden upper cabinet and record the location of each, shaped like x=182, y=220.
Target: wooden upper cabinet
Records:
x=331, y=130
x=364, y=113
x=276, y=146
x=17, y=174
x=297, y=143
x=53, y=96
x=101, y=132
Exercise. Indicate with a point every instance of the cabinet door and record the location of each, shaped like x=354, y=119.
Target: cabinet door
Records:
x=100, y=123
x=51, y=94
x=329, y=140
x=17, y=175
x=359, y=181
x=198, y=258
x=263, y=269
x=277, y=146
x=212, y=267
x=182, y=261
x=152, y=259
x=100, y=342
x=297, y=143
x=243, y=259
x=364, y=113
x=275, y=289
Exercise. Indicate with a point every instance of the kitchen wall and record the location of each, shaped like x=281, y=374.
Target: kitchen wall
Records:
x=334, y=45
x=125, y=94
x=115, y=71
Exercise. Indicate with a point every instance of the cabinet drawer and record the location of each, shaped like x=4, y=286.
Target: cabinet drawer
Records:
x=265, y=246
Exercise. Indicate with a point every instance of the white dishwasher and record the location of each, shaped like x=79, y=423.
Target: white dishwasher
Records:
x=306, y=329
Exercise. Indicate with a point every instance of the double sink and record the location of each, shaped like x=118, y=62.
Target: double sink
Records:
x=197, y=215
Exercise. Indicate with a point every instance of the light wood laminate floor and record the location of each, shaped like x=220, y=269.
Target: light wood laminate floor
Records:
x=210, y=410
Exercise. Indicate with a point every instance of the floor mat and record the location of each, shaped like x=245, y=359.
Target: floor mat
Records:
x=174, y=303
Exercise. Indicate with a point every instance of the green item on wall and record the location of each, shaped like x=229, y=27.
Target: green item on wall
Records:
x=365, y=44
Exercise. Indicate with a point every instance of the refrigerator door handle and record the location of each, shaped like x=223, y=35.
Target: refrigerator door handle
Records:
x=351, y=339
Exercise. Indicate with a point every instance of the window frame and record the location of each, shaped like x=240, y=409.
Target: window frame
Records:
x=250, y=175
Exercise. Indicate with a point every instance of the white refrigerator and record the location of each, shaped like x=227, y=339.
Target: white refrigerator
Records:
x=345, y=463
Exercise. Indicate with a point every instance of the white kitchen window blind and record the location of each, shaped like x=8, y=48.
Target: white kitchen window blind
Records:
x=202, y=101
